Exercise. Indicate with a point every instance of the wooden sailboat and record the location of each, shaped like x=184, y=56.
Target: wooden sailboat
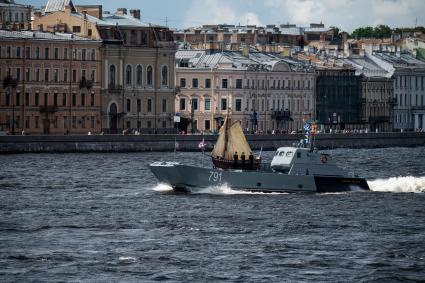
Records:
x=231, y=141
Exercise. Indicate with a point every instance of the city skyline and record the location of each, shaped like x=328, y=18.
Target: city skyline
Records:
x=345, y=14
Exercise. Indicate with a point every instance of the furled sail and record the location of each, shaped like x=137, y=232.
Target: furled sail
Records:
x=231, y=139
x=220, y=145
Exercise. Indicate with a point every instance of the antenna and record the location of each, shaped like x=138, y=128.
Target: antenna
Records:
x=166, y=21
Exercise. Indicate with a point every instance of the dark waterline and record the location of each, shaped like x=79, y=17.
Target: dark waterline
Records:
x=96, y=217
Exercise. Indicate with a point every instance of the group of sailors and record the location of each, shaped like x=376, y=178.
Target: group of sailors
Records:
x=243, y=164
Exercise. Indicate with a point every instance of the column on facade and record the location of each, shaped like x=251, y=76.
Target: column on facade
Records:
x=416, y=121
x=106, y=75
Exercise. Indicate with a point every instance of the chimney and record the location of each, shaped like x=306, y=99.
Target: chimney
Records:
x=135, y=13
x=121, y=11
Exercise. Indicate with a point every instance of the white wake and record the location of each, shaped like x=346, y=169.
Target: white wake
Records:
x=162, y=188
x=407, y=184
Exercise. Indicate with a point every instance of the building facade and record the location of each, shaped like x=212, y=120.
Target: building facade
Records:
x=263, y=91
x=339, y=98
x=409, y=89
x=50, y=83
x=14, y=16
x=137, y=64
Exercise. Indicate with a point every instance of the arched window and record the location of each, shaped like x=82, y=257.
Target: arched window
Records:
x=112, y=75
x=149, y=76
x=139, y=73
x=164, y=81
x=128, y=75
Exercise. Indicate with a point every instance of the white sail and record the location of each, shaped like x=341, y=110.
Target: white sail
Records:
x=220, y=145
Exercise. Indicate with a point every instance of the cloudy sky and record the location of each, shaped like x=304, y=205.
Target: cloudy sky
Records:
x=346, y=14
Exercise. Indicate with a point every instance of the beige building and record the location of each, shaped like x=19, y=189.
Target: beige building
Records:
x=137, y=63
x=264, y=91
x=14, y=16
x=50, y=83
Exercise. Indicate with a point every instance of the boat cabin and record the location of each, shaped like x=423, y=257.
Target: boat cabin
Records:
x=304, y=161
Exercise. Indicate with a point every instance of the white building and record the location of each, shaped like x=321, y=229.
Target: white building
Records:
x=262, y=90
x=409, y=88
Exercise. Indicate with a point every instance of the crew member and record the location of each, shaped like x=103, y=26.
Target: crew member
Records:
x=251, y=161
x=235, y=159
x=243, y=160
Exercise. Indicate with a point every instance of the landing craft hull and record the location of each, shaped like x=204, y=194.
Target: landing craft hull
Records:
x=185, y=177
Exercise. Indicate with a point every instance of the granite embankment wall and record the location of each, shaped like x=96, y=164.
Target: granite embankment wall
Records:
x=129, y=143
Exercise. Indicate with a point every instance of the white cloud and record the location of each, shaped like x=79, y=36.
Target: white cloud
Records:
x=219, y=12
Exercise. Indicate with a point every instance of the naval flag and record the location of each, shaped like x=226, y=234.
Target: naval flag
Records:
x=202, y=144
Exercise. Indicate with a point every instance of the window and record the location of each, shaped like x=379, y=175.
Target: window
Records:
x=46, y=75
x=223, y=104
x=18, y=99
x=74, y=76
x=9, y=52
x=149, y=76
x=74, y=122
x=7, y=99
x=182, y=82
x=46, y=53
x=27, y=122
x=56, y=56
x=65, y=122
x=207, y=83
x=164, y=81
x=89, y=32
x=182, y=104
x=93, y=75
x=37, y=75
x=28, y=52
x=83, y=54
x=93, y=54
x=195, y=83
x=64, y=99
x=194, y=104
x=37, y=122
x=65, y=75
x=128, y=75
x=139, y=105
x=207, y=125
x=36, y=99
x=128, y=105
x=83, y=99
x=92, y=121
x=224, y=83
x=74, y=99
x=112, y=75
x=56, y=75
x=164, y=105
x=65, y=53
x=76, y=29
x=83, y=73
x=28, y=75
x=55, y=99
x=74, y=54
x=27, y=99
x=46, y=99
x=238, y=83
x=139, y=73
x=207, y=105
x=18, y=52
x=238, y=104
x=149, y=106
x=133, y=37
x=92, y=99
x=164, y=124
x=18, y=74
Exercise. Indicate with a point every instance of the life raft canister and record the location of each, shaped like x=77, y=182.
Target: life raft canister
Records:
x=324, y=158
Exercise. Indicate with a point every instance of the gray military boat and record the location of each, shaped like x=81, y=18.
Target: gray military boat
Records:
x=293, y=169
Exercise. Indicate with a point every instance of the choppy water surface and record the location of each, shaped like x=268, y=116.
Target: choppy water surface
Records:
x=104, y=218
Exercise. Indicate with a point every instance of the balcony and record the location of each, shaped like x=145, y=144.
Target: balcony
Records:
x=113, y=88
x=48, y=109
x=88, y=84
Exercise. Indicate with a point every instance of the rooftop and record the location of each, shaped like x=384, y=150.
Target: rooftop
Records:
x=5, y=34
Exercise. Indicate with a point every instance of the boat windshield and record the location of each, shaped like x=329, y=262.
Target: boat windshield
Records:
x=282, y=153
x=289, y=154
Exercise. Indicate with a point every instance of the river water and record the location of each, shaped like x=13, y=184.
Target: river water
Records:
x=104, y=218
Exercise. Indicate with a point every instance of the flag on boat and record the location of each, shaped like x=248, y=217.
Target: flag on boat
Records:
x=202, y=144
x=307, y=127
